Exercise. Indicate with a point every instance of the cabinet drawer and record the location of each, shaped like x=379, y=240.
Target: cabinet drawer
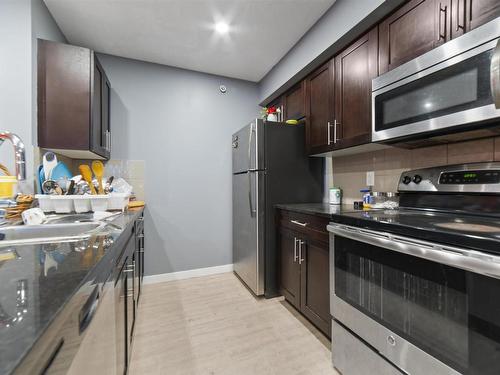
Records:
x=309, y=225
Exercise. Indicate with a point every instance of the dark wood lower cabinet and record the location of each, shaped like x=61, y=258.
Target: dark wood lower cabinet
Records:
x=304, y=266
x=314, y=284
x=289, y=268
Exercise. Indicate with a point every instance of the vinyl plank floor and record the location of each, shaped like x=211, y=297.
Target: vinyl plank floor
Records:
x=214, y=326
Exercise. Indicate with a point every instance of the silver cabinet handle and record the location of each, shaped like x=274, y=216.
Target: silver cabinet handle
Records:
x=443, y=10
x=300, y=251
x=328, y=133
x=130, y=268
x=460, y=25
x=295, y=256
x=140, y=236
x=495, y=76
x=335, y=123
x=298, y=223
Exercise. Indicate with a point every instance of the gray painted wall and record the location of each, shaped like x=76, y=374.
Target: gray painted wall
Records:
x=337, y=21
x=181, y=125
x=15, y=75
x=21, y=22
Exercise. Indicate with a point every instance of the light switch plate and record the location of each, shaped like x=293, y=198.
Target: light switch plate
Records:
x=370, y=178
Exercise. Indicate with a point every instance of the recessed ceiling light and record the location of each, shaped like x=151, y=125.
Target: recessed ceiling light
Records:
x=221, y=27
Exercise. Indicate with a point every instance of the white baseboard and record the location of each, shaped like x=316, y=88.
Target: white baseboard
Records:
x=181, y=275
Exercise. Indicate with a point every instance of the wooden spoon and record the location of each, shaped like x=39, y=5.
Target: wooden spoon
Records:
x=87, y=176
x=98, y=169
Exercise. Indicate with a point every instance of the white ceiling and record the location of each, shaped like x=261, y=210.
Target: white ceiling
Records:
x=181, y=32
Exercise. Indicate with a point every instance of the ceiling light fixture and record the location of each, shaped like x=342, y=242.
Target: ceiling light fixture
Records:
x=221, y=27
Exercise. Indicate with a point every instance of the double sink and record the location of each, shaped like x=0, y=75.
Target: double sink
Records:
x=57, y=228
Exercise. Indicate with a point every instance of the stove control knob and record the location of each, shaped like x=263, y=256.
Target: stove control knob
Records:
x=406, y=180
x=417, y=179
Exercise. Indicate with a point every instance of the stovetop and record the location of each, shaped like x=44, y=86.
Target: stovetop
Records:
x=461, y=230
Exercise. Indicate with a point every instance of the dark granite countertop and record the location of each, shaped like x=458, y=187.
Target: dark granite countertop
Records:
x=320, y=209
x=40, y=280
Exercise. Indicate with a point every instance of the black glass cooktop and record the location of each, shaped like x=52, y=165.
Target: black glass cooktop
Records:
x=462, y=230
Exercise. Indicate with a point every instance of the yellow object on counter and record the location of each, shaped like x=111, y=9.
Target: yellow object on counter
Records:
x=292, y=122
x=134, y=204
x=7, y=186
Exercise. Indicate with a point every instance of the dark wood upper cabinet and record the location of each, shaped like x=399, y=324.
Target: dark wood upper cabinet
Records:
x=417, y=27
x=295, y=102
x=319, y=109
x=73, y=102
x=355, y=68
x=478, y=12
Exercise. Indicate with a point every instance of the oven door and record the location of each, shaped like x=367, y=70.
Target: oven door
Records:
x=446, y=90
x=421, y=307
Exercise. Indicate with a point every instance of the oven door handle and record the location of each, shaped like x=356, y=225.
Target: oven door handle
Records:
x=465, y=259
x=495, y=75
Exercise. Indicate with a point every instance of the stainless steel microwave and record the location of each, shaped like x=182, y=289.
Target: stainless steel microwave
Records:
x=453, y=89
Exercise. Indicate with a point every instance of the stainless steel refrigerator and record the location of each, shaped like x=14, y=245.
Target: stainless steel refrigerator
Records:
x=270, y=166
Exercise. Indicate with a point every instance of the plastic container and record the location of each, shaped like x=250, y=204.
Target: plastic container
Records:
x=82, y=203
x=44, y=202
x=118, y=201
x=99, y=202
x=336, y=195
x=8, y=185
x=63, y=204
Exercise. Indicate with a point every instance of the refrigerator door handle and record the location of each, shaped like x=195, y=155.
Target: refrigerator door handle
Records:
x=250, y=200
x=252, y=130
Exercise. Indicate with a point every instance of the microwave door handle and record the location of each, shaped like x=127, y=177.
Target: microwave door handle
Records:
x=495, y=75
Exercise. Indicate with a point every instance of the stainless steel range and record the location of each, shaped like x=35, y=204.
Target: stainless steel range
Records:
x=417, y=290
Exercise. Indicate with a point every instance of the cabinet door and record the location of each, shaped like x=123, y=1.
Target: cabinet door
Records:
x=319, y=108
x=479, y=12
x=121, y=319
x=414, y=29
x=315, y=283
x=355, y=68
x=289, y=267
x=100, y=111
x=63, y=96
x=294, y=102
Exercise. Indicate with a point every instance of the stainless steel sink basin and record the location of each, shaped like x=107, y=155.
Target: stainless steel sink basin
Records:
x=47, y=232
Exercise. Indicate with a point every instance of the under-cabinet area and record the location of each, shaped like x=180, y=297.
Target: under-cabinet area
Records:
x=318, y=183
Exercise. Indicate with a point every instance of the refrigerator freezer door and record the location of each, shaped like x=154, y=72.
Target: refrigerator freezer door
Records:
x=248, y=229
x=248, y=148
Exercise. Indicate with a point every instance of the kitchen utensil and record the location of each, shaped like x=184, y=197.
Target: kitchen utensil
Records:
x=82, y=187
x=49, y=163
x=108, y=188
x=87, y=176
x=71, y=188
x=50, y=187
x=61, y=171
x=98, y=169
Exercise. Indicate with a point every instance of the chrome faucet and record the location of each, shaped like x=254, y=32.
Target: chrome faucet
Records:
x=19, y=153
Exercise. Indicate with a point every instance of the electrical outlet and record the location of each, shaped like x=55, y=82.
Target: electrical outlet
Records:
x=370, y=178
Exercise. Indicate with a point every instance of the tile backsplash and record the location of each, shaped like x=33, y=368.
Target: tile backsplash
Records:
x=349, y=172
